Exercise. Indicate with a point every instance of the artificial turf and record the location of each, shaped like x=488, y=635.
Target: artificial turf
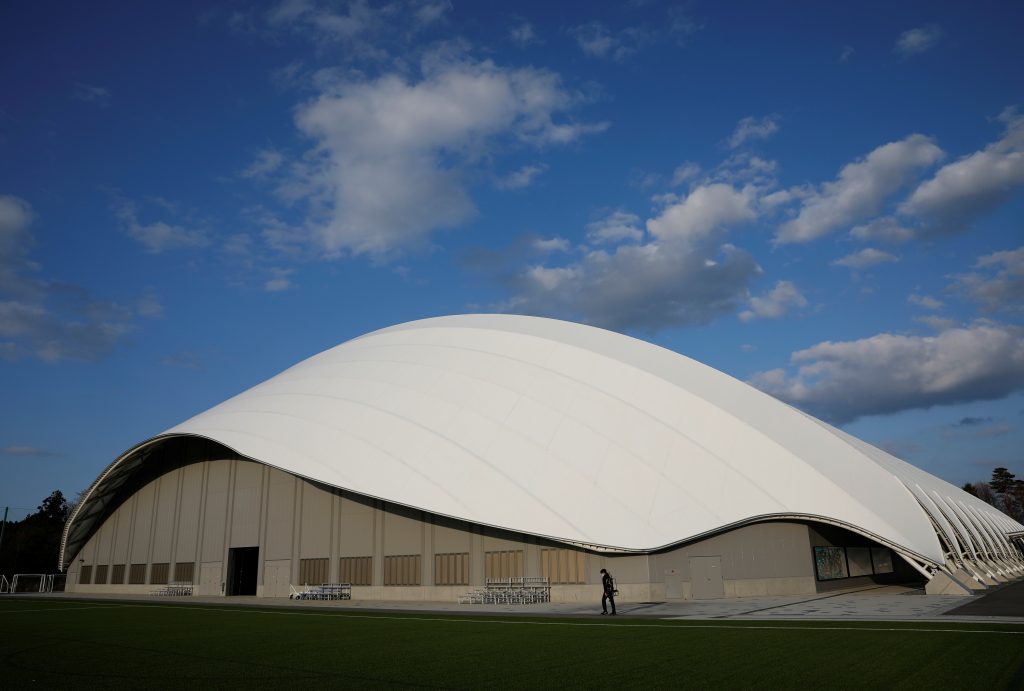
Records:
x=87, y=644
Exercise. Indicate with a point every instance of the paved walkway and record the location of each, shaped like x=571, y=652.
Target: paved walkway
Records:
x=874, y=603
x=1007, y=601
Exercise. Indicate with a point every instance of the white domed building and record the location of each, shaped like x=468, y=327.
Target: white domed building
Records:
x=419, y=460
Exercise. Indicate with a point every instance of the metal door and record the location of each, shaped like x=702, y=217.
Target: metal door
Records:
x=706, y=578
x=673, y=584
x=210, y=579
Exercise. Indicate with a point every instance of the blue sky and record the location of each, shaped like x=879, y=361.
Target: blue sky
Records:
x=823, y=200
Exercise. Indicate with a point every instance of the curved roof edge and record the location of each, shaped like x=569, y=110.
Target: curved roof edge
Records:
x=97, y=504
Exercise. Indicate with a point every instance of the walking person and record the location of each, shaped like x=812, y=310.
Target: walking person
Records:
x=608, y=588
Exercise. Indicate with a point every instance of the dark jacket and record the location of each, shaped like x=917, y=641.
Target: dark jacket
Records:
x=607, y=583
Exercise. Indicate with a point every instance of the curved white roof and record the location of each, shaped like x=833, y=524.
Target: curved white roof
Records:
x=579, y=434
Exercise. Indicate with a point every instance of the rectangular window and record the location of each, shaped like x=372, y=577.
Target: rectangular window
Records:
x=402, y=569
x=356, y=571
x=858, y=559
x=158, y=573
x=503, y=564
x=117, y=574
x=830, y=563
x=86, y=575
x=563, y=565
x=184, y=571
x=101, y=574
x=881, y=559
x=451, y=568
x=137, y=574
x=313, y=571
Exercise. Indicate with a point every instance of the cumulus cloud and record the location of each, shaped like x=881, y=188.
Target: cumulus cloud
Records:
x=523, y=34
x=775, y=303
x=387, y=167
x=617, y=227
x=680, y=273
x=159, y=236
x=935, y=323
x=865, y=259
x=861, y=188
x=49, y=320
x=997, y=283
x=751, y=128
x=684, y=173
x=918, y=40
x=693, y=218
x=973, y=185
x=266, y=162
x=886, y=229
x=279, y=280
x=887, y=373
x=598, y=41
x=925, y=301
x=518, y=179
x=648, y=286
x=547, y=245
x=327, y=21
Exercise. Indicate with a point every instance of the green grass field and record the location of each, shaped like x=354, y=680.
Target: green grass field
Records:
x=76, y=644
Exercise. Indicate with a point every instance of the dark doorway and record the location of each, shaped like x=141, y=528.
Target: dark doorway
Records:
x=242, y=565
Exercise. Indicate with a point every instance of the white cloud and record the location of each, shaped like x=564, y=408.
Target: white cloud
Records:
x=15, y=218
x=974, y=184
x=925, y=301
x=885, y=229
x=159, y=236
x=431, y=12
x=684, y=173
x=775, y=303
x=267, y=161
x=547, y=245
x=846, y=53
x=865, y=259
x=279, y=280
x=935, y=322
x=681, y=25
x=750, y=128
x=521, y=178
x=706, y=209
x=648, y=286
x=997, y=283
x=861, y=188
x=918, y=40
x=597, y=40
x=387, y=167
x=52, y=321
x=149, y=304
x=679, y=273
x=320, y=19
x=887, y=373
x=523, y=35
x=619, y=226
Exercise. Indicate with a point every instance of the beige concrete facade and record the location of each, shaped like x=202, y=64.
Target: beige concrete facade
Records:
x=194, y=515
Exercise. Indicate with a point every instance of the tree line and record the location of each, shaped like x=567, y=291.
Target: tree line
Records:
x=32, y=545
x=1004, y=491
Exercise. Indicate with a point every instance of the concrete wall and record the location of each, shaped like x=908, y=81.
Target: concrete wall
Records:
x=198, y=512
